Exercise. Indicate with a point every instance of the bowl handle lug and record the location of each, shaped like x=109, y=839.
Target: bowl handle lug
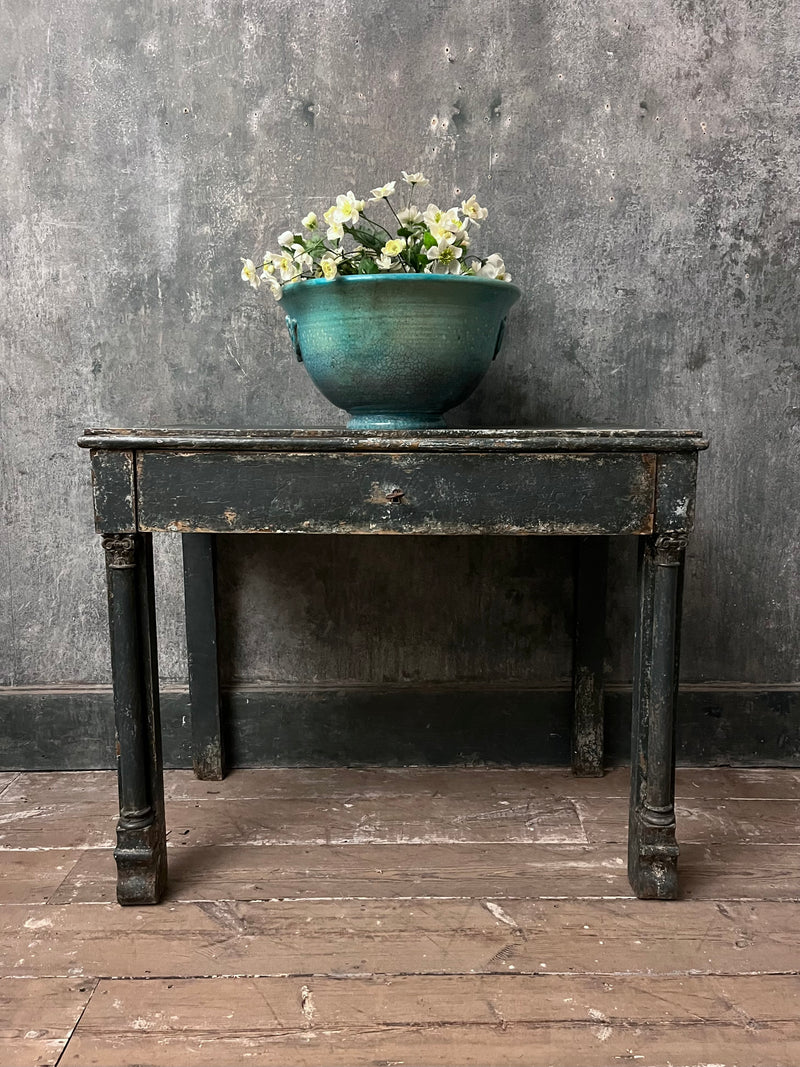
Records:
x=499, y=342
x=291, y=326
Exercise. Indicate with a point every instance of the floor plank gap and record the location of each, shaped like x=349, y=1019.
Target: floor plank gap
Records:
x=426, y=915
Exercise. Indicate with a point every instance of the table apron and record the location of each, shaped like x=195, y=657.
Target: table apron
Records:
x=352, y=493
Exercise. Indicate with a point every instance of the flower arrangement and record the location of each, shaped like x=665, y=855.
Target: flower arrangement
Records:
x=420, y=242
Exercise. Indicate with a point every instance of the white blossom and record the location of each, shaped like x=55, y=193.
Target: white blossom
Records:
x=384, y=190
x=410, y=216
x=394, y=247
x=335, y=231
x=329, y=267
x=347, y=208
x=301, y=257
x=472, y=210
x=440, y=222
x=273, y=285
x=249, y=273
x=332, y=250
x=446, y=255
x=285, y=264
x=494, y=267
x=415, y=179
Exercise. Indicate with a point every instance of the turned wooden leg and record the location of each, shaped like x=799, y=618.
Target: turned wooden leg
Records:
x=652, y=848
x=199, y=578
x=589, y=656
x=141, y=834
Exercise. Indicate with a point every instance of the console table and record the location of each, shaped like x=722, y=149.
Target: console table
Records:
x=587, y=483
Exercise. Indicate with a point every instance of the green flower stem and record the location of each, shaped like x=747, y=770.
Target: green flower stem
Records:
x=407, y=267
x=373, y=223
x=403, y=258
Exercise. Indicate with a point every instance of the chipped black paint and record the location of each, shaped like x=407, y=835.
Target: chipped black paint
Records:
x=528, y=491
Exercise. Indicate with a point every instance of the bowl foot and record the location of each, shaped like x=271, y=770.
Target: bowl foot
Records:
x=396, y=422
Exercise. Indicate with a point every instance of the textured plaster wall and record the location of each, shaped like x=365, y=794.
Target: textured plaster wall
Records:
x=640, y=162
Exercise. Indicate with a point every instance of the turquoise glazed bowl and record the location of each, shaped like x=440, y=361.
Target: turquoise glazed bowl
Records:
x=397, y=350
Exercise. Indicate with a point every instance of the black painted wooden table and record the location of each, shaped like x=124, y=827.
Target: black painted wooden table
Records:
x=588, y=483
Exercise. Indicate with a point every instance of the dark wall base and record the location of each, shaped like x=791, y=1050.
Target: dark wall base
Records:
x=71, y=729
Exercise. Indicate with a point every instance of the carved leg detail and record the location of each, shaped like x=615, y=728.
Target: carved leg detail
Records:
x=141, y=833
x=652, y=848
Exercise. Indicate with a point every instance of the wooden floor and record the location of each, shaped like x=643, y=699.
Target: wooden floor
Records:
x=458, y=916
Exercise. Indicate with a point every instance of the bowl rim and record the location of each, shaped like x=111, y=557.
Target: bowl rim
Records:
x=405, y=279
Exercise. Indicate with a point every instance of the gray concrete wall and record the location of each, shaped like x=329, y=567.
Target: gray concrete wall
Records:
x=641, y=165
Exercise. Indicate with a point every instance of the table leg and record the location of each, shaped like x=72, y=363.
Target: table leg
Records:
x=200, y=595
x=589, y=656
x=652, y=848
x=141, y=834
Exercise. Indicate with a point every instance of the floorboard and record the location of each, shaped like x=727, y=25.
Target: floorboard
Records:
x=441, y=1020
x=419, y=916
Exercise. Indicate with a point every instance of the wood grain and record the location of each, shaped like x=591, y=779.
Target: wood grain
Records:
x=388, y=783
x=440, y=931
x=37, y=1016
x=401, y=936
x=28, y=877
x=6, y=779
x=729, y=872
x=243, y=872
x=441, y=1020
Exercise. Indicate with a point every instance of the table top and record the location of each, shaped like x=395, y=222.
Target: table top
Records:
x=340, y=440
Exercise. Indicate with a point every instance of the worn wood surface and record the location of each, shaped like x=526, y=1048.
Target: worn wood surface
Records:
x=487, y=493
x=450, y=492
x=200, y=600
x=433, y=1020
x=450, y=440
x=441, y=930
x=383, y=819
x=588, y=660
x=708, y=872
x=114, y=492
x=37, y=1016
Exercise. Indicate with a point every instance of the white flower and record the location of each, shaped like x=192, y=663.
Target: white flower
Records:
x=335, y=229
x=385, y=190
x=446, y=255
x=415, y=179
x=275, y=286
x=448, y=231
x=394, y=248
x=301, y=257
x=440, y=222
x=432, y=215
x=284, y=262
x=494, y=267
x=471, y=209
x=410, y=216
x=328, y=267
x=249, y=273
x=347, y=208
